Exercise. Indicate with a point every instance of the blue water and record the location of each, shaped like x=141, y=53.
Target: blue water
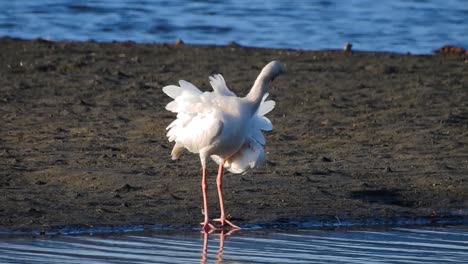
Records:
x=416, y=26
x=396, y=245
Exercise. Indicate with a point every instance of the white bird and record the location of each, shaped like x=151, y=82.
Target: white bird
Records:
x=222, y=126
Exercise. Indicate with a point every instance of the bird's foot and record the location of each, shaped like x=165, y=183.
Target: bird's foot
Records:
x=223, y=221
x=208, y=227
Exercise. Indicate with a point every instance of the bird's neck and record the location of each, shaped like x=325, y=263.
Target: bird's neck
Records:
x=255, y=96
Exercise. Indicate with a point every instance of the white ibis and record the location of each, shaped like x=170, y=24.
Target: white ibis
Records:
x=222, y=126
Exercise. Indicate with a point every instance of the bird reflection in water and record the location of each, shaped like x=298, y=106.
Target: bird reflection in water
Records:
x=221, y=237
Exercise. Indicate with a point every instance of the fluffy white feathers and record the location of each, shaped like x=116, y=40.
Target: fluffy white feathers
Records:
x=200, y=121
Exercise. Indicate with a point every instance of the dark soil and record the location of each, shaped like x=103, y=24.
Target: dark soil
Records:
x=357, y=135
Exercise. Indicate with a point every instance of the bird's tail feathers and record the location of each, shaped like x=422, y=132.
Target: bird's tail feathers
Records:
x=177, y=151
x=251, y=155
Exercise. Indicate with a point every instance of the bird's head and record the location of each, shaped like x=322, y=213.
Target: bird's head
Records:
x=263, y=81
x=272, y=70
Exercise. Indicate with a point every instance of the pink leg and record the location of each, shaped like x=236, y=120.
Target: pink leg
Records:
x=207, y=227
x=219, y=182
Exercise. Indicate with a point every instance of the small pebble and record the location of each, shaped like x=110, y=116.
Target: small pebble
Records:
x=179, y=41
x=347, y=46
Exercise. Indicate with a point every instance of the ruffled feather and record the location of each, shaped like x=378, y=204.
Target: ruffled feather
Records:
x=219, y=85
x=251, y=154
x=197, y=124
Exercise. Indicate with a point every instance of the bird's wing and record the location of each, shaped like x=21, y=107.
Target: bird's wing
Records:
x=260, y=122
x=185, y=90
x=195, y=131
x=219, y=85
x=175, y=91
x=266, y=106
x=197, y=123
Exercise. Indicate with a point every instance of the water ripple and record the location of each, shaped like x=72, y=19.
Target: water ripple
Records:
x=396, y=245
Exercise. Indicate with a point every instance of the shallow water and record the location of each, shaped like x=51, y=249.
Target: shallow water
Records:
x=395, y=245
x=416, y=26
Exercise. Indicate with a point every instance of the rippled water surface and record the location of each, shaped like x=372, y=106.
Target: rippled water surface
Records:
x=397, y=245
x=417, y=26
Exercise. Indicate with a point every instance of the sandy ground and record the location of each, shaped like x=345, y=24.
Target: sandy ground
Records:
x=357, y=135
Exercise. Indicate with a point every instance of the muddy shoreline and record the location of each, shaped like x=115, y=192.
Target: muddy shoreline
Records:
x=357, y=135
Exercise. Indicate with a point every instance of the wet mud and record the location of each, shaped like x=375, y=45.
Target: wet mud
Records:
x=357, y=135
